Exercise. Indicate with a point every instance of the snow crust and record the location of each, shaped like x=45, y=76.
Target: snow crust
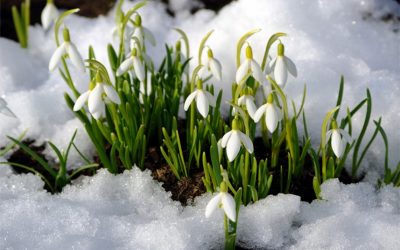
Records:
x=131, y=211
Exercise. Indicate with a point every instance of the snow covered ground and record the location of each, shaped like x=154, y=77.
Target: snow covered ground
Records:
x=131, y=211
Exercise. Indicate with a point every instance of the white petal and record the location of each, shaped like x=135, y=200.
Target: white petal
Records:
x=95, y=99
x=291, y=66
x=189, y=100
x=81, y=100
x=149, y=36
x=280, y=72
x=248, y=144
x=328, y=135
x=271, y=117
x=138, y=33
x=268, y=68
x=125, y=65
x=211, y=99
x=49, y=14
x=260, y=112
x=139, y=69
x=271, y=66
x=336, y=143
x=212, y=205
x=242, y=100
x=100, y=113
x=202, y=103
x=228, y=203
x=55, y=58
x=112, y=94
x=251, y=107
x=225, y=139
x=76, y=58
x=256, y=71
x=242, y=71
x=233, y=146
x=215, y=68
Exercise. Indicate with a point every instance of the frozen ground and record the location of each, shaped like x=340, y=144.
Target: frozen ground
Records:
x=130, y=211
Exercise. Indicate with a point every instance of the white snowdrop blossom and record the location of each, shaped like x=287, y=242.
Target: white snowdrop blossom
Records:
x=234, y=139
x=247, y=100
x=339, y=139
x=280, y=66
x=142, y=33
x=49, y=14
x=249, y=65
x=204, y=100
x=222, y=200
x=133, y=61
x=5, y=110
x=67, y=48
x=96, y=97
x=271, y=113
x=213, y=66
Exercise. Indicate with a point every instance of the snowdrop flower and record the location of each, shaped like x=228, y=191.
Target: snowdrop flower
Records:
x=222, y=200
x=96, y=96
x=6, y=110
x=49, y=14
x=271, y=113
x=203, y=99
x=281, y=65
x=142, y=33
x=67, y=48
x=339, y=139
x=145, y=88
x=247, y=100
x=249, y=65
x=213, y=66
x=132, y=61
x=234, y=139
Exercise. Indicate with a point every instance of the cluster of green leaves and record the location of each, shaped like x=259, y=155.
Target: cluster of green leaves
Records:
x=58, y=173
x=21, y=19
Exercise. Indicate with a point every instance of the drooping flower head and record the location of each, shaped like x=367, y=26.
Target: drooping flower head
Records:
x=67, y=48
x=212, y=65
x=204, y=99
x=98, y=94
x=280, y=66
x=222, y=200
x=49, y=14
x=247, y=100
x=133, y=61
x=270, y=112
x=234, y=139
x=142, y=33
x=249, y=65
x=339, y=139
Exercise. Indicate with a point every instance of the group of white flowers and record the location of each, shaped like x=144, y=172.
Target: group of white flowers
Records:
x=101, y=92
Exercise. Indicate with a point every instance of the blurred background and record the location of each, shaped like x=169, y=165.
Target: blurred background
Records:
x=90, y=8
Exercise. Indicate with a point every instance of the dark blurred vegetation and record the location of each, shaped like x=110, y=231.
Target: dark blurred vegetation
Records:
x=88, y=8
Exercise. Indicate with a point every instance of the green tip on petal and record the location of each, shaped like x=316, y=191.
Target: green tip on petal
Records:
x=270, y=98
x=138, y=20
x=334, y=124
x=92, y=84
x=281, y=49
x=134, y=52
x=210, y=53
x=99, y=78
x=249, y=52
x=235, y=123
x=66, y=36
x=199, y=84
x=223, y=187
x=248, y=91
x=50, y=2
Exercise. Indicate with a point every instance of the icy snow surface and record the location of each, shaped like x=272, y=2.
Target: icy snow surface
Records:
x=130, y=211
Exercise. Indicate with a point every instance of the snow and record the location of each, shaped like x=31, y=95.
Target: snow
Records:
x=131, y=211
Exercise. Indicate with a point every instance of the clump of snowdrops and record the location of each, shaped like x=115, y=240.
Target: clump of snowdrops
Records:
x=130, y=106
